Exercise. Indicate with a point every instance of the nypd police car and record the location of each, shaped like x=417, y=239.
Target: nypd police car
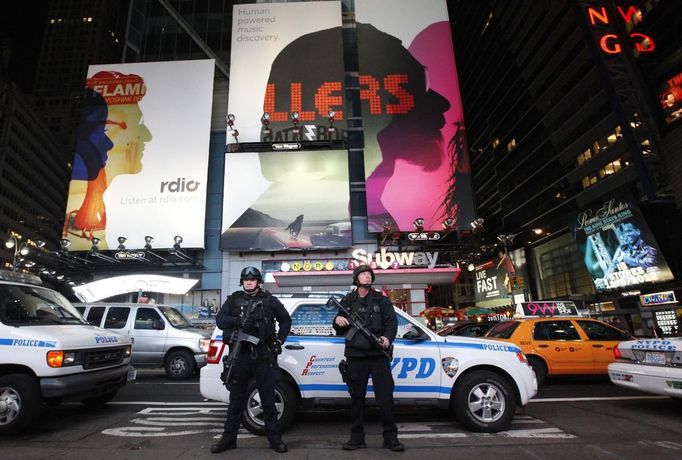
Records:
x=49, y=353
x=649, y=365
x=482, y=381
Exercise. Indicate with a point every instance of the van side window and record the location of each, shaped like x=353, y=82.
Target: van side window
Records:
x=117, y=317
x=313, y=319
x=145, y=318
x=95, y=315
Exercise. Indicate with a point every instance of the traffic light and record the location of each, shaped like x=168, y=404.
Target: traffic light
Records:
x=520, y=283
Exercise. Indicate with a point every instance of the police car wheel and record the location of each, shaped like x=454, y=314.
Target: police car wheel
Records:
x=484, y=402
x=20, y=402
x=285, y=402
x=540, y=369
x=179, y=365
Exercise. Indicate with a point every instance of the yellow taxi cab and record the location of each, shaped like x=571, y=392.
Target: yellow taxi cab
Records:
x=562, y=342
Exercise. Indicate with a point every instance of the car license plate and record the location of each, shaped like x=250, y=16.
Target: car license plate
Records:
x=654, y=357
x=132, y=375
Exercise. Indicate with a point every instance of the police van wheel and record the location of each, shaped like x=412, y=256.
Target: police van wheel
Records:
x=540, y=369
x=179, y=365
x=285, y=401
x=20, y=402
x=484, y=402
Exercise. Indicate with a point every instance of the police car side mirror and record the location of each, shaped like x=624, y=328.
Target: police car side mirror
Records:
x=415, y=333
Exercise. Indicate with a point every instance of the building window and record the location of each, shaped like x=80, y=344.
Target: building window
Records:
x=496, y=142
x=511, y=146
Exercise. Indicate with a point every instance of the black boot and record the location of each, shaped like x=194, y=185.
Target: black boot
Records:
x=279, y=447
x=223, y=445
x=354, y=444
x=394, y=445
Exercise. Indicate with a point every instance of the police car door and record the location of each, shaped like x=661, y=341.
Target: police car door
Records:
x=416, y=362
x=312, y=351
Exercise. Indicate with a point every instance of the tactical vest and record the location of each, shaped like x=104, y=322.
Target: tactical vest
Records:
x=370, y=313
x=263, y=317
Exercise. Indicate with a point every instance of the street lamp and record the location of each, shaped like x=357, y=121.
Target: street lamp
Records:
x=19, y=249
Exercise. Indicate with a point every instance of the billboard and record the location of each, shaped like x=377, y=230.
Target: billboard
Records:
x=618, y=246
x=499, y=279
x=286, y=201
x=416, y=158
x=141, y=155
x=286, y=57
x=671, y=98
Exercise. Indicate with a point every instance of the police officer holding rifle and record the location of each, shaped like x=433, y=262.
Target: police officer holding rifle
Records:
x=368, y=321
x=247, y=319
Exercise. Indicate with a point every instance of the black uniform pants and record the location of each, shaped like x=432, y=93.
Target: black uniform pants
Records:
x=379, y=367
x=267, y=375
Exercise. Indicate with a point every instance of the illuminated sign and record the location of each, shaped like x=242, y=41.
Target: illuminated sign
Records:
x=548, y=308
x=618, y=247
x=609, y=44
x=671, y=98
x=657, y=298
x=415, y=154
x=129, y=255
x=141, y=155
x=385, y=259
x=423, y=236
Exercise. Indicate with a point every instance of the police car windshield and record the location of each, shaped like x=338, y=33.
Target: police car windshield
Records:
x=35, y=306
x=176, y=318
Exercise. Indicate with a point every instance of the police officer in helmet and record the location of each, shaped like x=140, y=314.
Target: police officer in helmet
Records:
x=255, y=361
x=365, y=359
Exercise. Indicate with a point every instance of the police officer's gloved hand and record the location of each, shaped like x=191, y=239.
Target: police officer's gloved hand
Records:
x=278, y=347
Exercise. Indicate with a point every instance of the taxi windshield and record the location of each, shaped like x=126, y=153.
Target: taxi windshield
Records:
x=35, y=306
x=176, y=318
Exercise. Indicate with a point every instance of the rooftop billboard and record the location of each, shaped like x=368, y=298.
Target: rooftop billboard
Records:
x=416, y=158
x=141, y=155
x=286, y=57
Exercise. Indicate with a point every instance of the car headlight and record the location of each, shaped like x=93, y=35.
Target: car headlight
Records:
x=128, y=352
x=59, y=358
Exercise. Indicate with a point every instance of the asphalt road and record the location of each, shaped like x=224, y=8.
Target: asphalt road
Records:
x=158, y=419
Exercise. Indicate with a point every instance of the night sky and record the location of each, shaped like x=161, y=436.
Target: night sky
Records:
x=23, y=23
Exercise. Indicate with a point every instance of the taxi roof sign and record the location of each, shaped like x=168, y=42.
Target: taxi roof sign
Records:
x=546, y=308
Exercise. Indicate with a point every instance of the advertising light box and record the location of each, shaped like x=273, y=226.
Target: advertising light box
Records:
x=416, y=157
x=286, y=57
x=618, y=247
x=141, y=155
x=286, y=201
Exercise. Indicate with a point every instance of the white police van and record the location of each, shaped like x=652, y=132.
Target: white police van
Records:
x=49, y=353
x=482, y=381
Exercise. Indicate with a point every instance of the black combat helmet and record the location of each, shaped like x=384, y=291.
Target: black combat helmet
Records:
x=359, y=269
x=250, y=273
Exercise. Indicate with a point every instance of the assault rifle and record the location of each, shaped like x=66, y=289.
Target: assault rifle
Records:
x=237, y=338
x=358, y=325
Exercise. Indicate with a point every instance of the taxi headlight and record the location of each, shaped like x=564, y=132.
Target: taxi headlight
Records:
x=204, y=344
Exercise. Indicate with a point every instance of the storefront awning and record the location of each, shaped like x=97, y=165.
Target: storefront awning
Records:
x=388, y=278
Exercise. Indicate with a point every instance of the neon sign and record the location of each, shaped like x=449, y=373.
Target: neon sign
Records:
x=643, y=43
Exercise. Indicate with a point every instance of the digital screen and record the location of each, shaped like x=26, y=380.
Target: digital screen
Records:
x=141, y=155
x=618, y=247
x=671, y=98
